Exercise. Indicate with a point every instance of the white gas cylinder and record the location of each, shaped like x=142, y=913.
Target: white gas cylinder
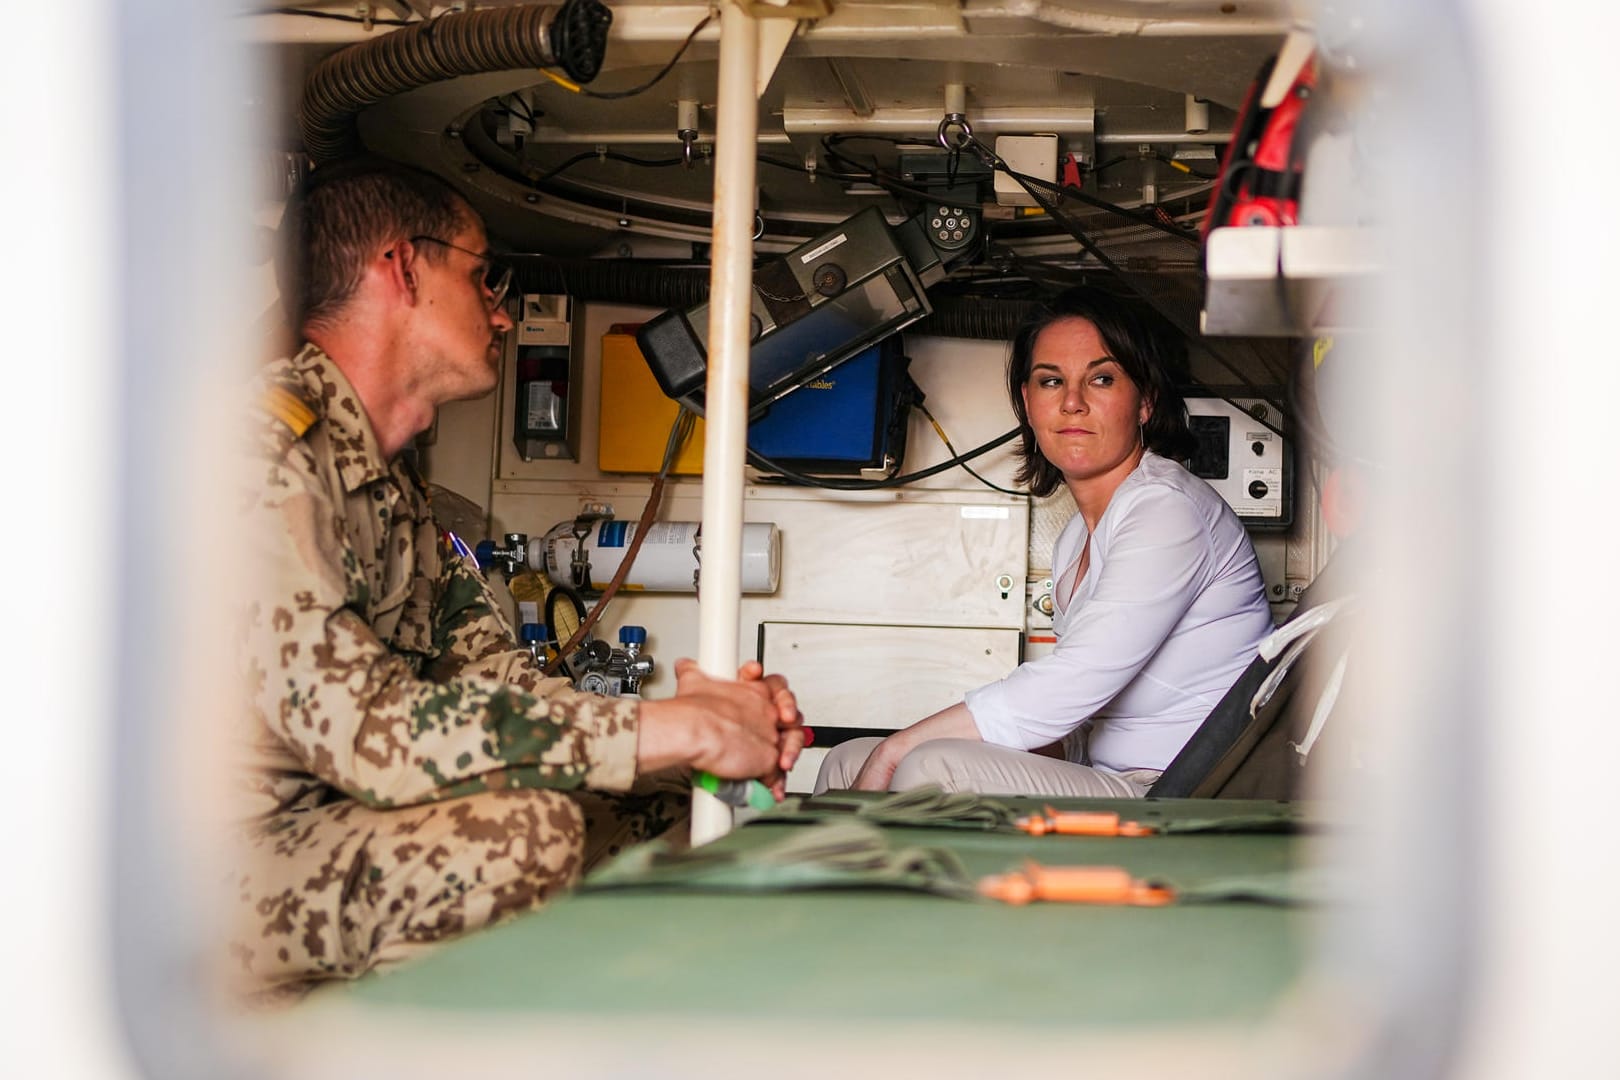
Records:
x=667, y=561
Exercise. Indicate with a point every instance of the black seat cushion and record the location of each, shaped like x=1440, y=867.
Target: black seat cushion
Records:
x=1236, y=755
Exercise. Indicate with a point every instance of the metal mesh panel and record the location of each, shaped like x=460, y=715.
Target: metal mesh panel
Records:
x=1047, y=518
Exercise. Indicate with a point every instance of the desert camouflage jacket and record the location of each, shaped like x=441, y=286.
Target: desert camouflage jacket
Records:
x=379, y=665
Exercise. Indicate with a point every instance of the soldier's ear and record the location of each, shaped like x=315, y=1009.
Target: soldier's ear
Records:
x=400, y=261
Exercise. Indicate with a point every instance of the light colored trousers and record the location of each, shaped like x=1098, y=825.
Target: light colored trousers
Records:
x=971, y=765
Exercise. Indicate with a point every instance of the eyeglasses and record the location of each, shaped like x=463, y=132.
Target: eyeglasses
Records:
x=497, y=274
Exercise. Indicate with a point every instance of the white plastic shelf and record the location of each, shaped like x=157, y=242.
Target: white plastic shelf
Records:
x=1287, y=281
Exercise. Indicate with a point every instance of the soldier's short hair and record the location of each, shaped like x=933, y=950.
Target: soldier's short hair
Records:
x=342, y=215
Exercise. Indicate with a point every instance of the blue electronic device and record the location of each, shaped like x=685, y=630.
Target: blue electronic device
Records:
x=812, y=309
x=849, y=420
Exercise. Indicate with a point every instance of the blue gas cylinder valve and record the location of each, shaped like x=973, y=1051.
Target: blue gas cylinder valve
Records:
x=535, y=635
x=632, y=635
x=511, y=559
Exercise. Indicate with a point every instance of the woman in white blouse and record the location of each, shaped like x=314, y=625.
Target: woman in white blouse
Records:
x=1159, y=600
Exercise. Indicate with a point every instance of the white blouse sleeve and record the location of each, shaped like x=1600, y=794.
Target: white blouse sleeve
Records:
x=1156, y=563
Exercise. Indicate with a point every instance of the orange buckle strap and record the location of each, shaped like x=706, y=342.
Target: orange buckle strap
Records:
x=1081, y=823
x=1074, y=885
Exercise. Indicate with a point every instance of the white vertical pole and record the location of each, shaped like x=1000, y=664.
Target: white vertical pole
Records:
x=726, y=401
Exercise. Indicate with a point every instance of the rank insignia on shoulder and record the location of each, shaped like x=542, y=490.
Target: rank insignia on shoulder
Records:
x=284, y=405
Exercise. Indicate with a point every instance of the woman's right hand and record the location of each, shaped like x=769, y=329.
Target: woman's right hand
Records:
x=952, y=722
x=878, y=771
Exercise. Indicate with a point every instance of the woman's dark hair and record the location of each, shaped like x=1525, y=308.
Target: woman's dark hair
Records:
x=1149, y=350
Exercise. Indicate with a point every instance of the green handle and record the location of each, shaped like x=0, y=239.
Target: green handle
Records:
x=736, y=792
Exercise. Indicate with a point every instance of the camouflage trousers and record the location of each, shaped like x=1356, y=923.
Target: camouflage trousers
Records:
x=332, y=892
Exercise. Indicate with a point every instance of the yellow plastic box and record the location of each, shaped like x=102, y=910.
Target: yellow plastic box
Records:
x=636, y=416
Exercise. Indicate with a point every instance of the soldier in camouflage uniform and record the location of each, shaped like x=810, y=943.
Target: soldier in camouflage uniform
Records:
x=413, y=775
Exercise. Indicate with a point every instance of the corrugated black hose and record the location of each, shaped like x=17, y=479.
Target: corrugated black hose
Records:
x=572, y=37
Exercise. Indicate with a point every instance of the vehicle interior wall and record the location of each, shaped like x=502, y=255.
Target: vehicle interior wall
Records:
x=963, y=381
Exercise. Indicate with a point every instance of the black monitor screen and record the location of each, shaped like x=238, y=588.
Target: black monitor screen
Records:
x=835, y=331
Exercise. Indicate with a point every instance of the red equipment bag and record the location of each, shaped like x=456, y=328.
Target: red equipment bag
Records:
x=1261, y=172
